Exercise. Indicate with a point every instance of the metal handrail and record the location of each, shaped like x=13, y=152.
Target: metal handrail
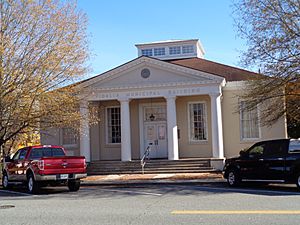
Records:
x=145, y=157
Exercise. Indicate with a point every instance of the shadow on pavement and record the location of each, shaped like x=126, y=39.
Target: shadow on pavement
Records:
x=157, y=190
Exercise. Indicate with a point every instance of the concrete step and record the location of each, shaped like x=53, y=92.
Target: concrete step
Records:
x=152, y=166
x=149, y=163
x=149, y=166
x=157, y=161
x=155, y=172
x=151, y=170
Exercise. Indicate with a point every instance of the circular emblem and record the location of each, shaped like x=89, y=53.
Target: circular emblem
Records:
x=145, y=73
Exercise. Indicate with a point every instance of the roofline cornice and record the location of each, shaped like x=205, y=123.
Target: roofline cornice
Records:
x=144, y=59
x=160, y=85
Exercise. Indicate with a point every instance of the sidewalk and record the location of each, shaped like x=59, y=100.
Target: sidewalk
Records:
x=178, y=178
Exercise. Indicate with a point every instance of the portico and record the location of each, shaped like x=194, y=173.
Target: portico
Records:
x=146, y=90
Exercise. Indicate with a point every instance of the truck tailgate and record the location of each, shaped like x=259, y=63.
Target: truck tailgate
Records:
x=63, y=165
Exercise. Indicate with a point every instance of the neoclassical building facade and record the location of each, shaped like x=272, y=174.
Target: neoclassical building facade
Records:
x=169, y=98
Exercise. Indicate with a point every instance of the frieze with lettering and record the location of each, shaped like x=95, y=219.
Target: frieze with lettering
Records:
x=154, y=93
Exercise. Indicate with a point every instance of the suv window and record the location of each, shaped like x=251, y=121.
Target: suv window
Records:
x=275, y=148
x=294, y=146
x=268, y=148
x=37, y=153
x=256, y=150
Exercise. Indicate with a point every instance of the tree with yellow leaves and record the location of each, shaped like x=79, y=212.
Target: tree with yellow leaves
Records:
x=43, y=47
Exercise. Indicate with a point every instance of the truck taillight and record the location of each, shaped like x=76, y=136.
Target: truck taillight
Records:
x=84, y=162
x=41, y=164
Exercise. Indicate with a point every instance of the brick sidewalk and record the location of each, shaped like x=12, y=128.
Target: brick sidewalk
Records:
x=154, y=178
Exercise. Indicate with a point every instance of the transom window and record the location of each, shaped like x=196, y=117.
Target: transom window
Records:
x=113, y=125
x=147, y=52
x=159, y=51
x=249, y=122
x=198, y=121
x=175, y=50
x=155, y=113
x=187, y=49
x=69, y=136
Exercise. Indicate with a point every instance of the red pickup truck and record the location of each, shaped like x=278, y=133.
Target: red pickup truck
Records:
x=43, y=165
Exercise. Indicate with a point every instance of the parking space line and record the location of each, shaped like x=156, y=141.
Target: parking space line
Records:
x=237, y=212
x=133, y=192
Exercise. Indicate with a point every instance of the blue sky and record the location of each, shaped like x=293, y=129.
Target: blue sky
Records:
x=116, y=26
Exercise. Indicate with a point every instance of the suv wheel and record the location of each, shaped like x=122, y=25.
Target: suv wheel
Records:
x=5, y=182
x=298, y=181
x=233, y=179
x=32, y=186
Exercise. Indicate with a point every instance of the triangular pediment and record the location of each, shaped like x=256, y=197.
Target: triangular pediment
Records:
x=145, y=72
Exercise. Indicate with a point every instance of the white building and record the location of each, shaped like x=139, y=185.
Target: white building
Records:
x=171, y=98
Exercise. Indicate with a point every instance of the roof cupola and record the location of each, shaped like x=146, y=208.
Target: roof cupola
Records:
x=172, y=49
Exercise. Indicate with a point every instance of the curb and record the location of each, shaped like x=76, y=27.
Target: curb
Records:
x=152, y=182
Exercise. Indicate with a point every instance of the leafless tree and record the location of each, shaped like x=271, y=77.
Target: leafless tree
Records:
x=272, y=31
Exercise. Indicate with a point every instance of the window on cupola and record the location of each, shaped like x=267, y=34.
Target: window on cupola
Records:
x=159, y=51
x=187, y=49
x=147, y=52
x=175, y=50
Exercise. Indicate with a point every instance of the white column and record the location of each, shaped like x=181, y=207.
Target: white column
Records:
x=172, y=128
x=125, y=130
x=216, y=125
x=85, y=131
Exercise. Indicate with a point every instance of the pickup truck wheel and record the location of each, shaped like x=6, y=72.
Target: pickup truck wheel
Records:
x=5, y=181
x=33, y=187
x=73, y=185
x=233, y=178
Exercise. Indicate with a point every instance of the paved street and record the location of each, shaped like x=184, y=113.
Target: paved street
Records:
x=153, y=204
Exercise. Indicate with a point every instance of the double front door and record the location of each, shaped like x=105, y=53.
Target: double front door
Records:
x=155, y=131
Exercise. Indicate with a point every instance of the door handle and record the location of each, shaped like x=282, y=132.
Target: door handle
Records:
x=261, y=160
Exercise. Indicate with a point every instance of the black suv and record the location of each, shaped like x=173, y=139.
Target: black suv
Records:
x=272, y=161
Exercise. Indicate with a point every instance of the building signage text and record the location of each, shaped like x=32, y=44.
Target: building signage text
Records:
x=154, y=93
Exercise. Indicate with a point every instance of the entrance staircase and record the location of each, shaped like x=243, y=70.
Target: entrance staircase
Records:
x=151, y=167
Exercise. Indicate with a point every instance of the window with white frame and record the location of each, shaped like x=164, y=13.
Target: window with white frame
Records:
x=197, y=120
x=159, y=51
x=249, y=122
x=113, y=125
x=175, y=50
x=69, y=136
x=147, y=52
x=187, y=49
